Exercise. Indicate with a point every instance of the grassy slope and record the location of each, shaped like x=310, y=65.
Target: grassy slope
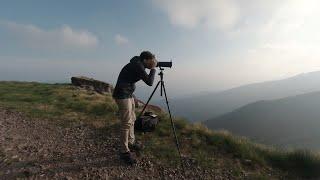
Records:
x=66, y=104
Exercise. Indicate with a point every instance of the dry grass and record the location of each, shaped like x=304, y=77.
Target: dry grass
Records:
x=62, y=101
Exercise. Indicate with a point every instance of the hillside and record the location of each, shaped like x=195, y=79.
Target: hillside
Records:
x=291, y=122
x=211, y=105
x=60, y=131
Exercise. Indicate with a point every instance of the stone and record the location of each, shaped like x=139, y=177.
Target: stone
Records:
x=92, y=84
x=150, y=107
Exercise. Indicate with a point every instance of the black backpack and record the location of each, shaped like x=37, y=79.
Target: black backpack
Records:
x=146, y=123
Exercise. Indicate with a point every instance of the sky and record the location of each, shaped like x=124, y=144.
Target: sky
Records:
x=214, y=44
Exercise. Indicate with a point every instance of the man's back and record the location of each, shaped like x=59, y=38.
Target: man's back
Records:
x=129, y=75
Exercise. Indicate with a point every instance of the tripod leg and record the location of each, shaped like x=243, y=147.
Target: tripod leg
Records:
x=172, y=124
x=161, y=89
x=145, y=106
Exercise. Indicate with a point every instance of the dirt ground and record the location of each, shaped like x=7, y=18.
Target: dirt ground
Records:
x=40, y=149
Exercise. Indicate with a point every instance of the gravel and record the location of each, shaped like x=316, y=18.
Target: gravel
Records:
x=40, y=149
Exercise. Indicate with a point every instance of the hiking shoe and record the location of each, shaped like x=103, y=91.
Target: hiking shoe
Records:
x=129, y=158
x=137, y=146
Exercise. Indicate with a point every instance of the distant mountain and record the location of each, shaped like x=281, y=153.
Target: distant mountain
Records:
x=210, y=105
x=292, y=121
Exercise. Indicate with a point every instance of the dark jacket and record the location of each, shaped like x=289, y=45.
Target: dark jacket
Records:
x=129, y=75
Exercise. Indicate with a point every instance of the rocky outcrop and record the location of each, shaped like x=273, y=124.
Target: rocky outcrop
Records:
x=92, y=84
x=138, y=103
x=103, y=87
x=150, y=107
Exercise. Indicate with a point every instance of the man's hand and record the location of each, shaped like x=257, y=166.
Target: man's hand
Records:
x=150, y=63
x=154, y=63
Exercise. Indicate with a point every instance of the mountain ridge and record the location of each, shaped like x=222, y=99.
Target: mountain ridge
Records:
x=216, y=104
x=287, y=118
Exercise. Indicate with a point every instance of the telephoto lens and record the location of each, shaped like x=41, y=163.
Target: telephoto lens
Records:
x=164, y=64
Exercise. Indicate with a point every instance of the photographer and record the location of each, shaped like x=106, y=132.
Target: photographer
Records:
x=123, y=95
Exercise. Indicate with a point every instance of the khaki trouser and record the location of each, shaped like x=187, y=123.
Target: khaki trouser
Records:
x=127, y=118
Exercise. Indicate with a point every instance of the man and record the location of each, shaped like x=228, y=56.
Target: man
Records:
x=123, y=95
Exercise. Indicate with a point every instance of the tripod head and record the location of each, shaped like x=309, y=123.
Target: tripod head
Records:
x=161, y=80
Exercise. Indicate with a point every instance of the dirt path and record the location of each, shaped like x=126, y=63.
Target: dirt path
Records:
x=39, y=149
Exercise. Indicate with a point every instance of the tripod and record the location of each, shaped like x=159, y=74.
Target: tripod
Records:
x=163, y=90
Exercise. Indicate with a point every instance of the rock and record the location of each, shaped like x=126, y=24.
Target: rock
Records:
x=247, y=162
x=150, y=107
x=26, y=173
x=92, y=84
x=69, y=178
x=138, y=103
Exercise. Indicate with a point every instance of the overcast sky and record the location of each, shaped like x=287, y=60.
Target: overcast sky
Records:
x=214, y=44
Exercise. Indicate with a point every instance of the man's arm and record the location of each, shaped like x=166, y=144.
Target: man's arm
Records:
x=147, y=78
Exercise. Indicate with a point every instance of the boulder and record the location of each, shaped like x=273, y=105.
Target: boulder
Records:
x=138, y=103
x=92, y=84
x=150, y=107
x=103, y=87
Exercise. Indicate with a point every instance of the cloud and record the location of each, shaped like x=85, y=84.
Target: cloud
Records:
x=221, y=14
x=121, y=40
x=269, y=39
x=232, y=16
x=78, y=38
x=286, y=43
x=292, y=28
x=63, y=37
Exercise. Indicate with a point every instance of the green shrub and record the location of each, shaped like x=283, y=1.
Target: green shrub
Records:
x=301, y=162
x=180, y=123
x=79, y=106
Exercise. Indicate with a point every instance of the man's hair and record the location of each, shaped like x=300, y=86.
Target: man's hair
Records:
x=146, y=55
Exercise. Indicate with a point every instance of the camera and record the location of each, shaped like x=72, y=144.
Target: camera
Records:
x=164, y=64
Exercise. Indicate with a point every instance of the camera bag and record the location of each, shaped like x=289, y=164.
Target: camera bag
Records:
x=146, y=123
